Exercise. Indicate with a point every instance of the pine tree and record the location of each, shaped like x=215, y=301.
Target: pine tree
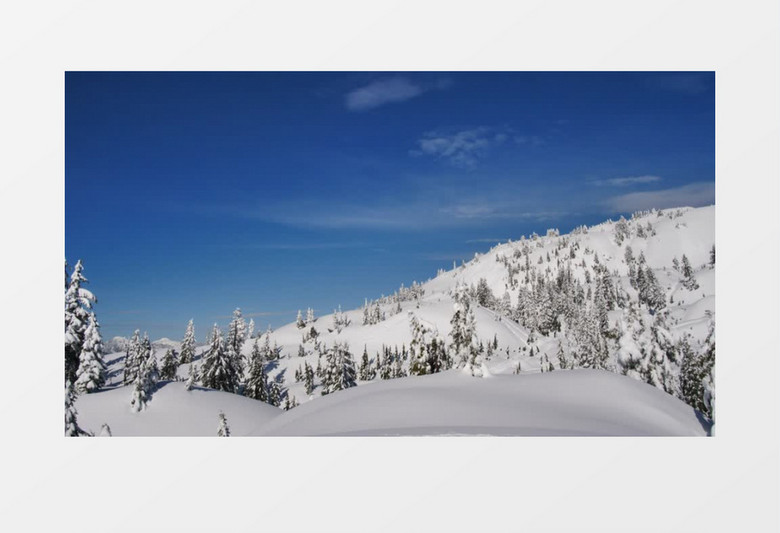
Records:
x=310, y=316
x=132, y=359
x=191, y=378
x=308, y=377
x=72, y=428
x=301, y=351
x=223, y=430
x=218, y=370
x=257, y=379
x=78, y=305
x=299, y=323
x=235, y=340
x=146, y=378
x=462, y=333
x=91, y=374
x=712, y=256
x=105, y=431
x=170, y=364
x=188, y=345
x=340, y=370
x=689, y=281
x=365, y=366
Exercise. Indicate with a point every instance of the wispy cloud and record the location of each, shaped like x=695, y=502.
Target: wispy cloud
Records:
x=623, y=182
x=462, y=148
x=388, y=90
x=692, y=195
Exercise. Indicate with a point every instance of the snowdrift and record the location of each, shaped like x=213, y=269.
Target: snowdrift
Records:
x=575, y=402
x=172, y=411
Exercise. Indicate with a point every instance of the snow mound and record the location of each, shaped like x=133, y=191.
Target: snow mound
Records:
x=172, y=411
x=574, y=402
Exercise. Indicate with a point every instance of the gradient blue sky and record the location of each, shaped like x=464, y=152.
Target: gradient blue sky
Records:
x=190, y=194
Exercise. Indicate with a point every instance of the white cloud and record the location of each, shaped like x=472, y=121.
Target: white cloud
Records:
x=382, y=92
x=462, y=149
x=631, y=180
x=691, y=195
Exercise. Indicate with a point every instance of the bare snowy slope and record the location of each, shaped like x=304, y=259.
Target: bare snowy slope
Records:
x=573, y=402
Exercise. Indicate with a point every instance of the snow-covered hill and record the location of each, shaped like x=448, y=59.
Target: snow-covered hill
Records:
x=634, y=297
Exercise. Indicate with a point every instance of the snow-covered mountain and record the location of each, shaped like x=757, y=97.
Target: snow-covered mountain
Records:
x=635, y=298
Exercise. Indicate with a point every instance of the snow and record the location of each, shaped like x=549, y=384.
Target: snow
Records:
x=560, y=402
x=172, y=411
x=573, y=402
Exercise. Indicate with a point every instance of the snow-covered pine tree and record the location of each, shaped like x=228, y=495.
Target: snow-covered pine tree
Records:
x=218, y=370
x=257, y=380
x=250, y=330
x=170, y=364
x=235, y=340
x=91, y=374
x=223, y=430
x=696, y=377
x=310, y=316
x=365, y=371
x=308, y=378
x=188, y=345
x=689, y=281
x=339, y=373
x=145, y=380
x=132, y=359
x=78, y=305
x=462, y=333
x=105, y=431
x=72, y=428
x=299, y=323
x=192, y=377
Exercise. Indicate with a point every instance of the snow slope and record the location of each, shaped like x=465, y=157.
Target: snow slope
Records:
x=173, y=411
x=573, y=402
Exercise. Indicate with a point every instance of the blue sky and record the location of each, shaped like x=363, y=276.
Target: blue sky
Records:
x=190, y=194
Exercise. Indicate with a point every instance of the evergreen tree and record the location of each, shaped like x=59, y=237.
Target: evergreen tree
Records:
x=689, y=281
x=219, y=370
x=462, y=333
x=257, y=379
x=308, y=378
x=301, y=351
x=223, y=430
x=91, y=374
x=250, y=330
x=235, y=340
x=105, y=431
x=72, y=428
x=712, y=256
x=299, y=323
x=78, y=305
x=188, y=345
x=132, y=359
x=696, y=376
x=340, y=369
x=310, y=316
x=146, y=378
x=170, y=364
x=365, y=366
x=191, y=378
